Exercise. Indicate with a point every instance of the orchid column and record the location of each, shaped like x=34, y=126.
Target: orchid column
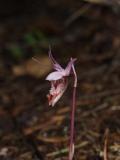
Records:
x=59, y=82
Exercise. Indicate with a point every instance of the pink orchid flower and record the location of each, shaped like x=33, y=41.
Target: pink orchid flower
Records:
x=58, y=79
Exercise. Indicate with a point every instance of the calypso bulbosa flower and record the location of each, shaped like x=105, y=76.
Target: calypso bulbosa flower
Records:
x=58, y=79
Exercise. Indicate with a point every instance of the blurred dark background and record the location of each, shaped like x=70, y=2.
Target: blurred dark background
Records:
x=86, y=29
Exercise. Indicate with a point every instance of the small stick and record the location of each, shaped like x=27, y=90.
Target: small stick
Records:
x=105, y=152
x=36, y=60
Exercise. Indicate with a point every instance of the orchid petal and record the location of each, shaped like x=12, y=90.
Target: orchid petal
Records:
x=59, y=95
x=56, y=65
x=51, y=56
x=54, y=76
x=69, y=66
x=56, y=91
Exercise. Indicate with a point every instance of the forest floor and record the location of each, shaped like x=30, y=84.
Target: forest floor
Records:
x=29, y=128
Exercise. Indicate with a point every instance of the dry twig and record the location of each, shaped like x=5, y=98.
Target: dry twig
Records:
x=105, y=152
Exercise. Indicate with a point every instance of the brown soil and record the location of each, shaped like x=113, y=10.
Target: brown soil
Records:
x=29, y=128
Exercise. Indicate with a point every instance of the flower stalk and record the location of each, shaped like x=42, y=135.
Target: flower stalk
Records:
x=72, y=118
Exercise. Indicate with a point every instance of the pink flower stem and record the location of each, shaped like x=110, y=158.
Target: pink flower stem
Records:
x=71, y=146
